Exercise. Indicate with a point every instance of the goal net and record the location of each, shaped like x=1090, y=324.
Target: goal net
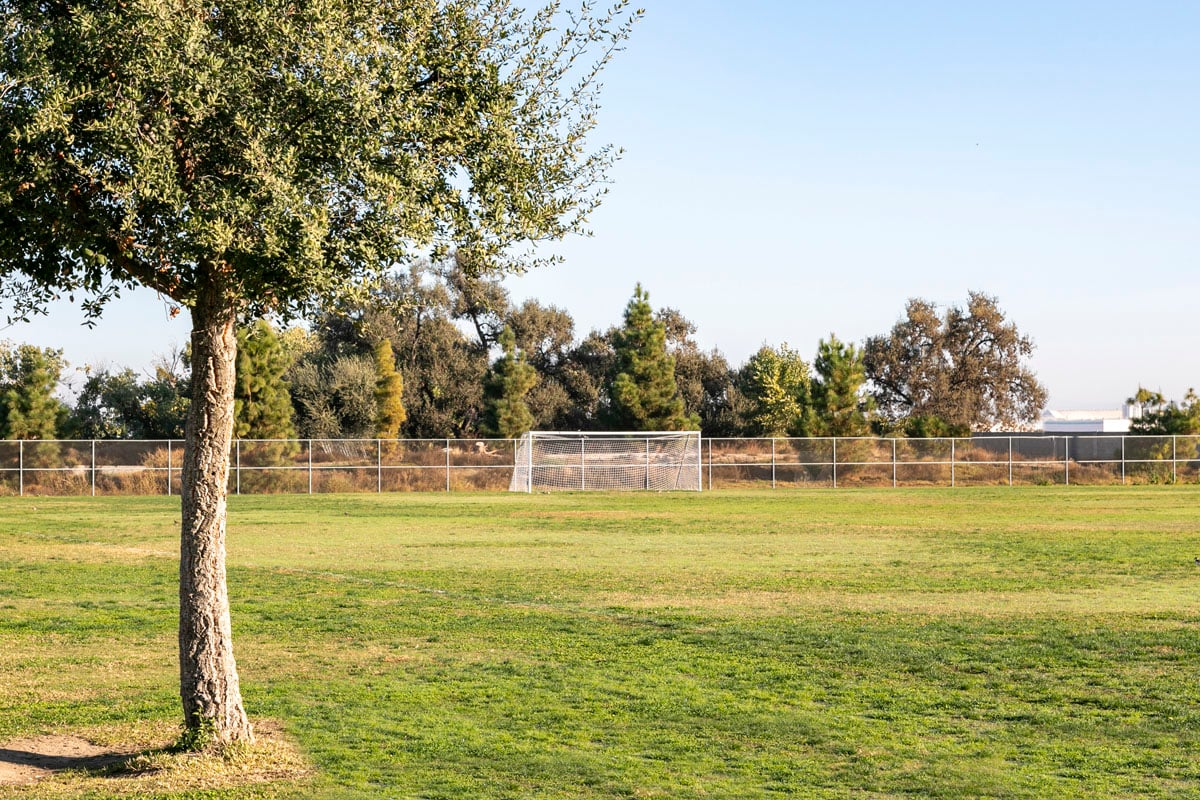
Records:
x=657, y=461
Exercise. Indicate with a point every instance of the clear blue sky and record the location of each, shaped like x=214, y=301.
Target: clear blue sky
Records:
x=797, y=168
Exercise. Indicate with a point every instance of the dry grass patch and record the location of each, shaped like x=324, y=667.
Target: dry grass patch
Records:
x=138, y=760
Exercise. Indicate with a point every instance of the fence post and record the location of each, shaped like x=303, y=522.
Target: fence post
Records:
x=168, y=467
x=1067, y=460
x=21, y=468
x=709, y=463
x=447, y=465
x=1010, y=483
x=952, y=476
x=93, y=467
x=893, y=463
x=310, y=466
x=237, y=469
x=379, y=466
x=772, y=462
x=835, y=462
x=647, y=481
x=582, y=464
x=1174, y=463
x=1122, y=460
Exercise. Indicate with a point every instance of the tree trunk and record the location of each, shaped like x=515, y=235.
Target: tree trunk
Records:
x=208, y=680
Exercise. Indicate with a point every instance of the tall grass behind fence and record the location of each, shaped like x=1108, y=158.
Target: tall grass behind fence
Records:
x=106, y=467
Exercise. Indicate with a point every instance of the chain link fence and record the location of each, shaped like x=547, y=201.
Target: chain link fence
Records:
x=106, y=467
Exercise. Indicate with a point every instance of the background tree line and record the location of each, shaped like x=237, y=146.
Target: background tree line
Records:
x=437, y=352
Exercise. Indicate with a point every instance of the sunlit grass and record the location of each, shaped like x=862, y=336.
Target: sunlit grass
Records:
x=1038, y=642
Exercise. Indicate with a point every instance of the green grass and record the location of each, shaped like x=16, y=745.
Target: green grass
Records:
x=1015, y=643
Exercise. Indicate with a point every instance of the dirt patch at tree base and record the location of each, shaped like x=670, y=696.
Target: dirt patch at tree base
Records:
x=72, y=764
x=30, y=759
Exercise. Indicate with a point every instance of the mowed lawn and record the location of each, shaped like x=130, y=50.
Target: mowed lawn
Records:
x=1029, y=642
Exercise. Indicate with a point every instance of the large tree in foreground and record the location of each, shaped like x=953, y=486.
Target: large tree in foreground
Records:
x=964, y=367
x=249, y=156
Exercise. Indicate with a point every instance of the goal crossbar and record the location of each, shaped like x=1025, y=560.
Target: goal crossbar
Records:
x=607, y=460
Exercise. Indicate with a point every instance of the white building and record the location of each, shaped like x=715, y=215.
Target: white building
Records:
x=1090, y=421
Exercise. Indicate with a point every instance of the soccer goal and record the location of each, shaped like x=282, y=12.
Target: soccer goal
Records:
x=656, y=461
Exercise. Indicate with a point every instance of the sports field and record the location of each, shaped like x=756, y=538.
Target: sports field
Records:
x=1029, y=642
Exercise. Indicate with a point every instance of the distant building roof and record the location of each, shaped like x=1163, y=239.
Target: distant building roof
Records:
x=1108, y=420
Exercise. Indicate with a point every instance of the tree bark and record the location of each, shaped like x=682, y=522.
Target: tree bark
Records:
x=208, y=680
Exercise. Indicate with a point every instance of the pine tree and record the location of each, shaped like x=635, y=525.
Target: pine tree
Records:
x=389, y=392
x=28, y=377
x=508, y=385
x=838, y=407
x=643, y=392
x=262, y=405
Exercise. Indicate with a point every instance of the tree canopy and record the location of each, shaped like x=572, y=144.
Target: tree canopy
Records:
x=775, y=382
x=964, y=367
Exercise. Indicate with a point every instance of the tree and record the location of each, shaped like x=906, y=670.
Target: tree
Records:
x=837, y=406
x=336, y=398
x=705, y=380
x=546, y=336
x=587, y=378
x=643, y=393
x=109, y=406
x=775, y=383
x=262, y=404
x=1162, y=418
x=964, y=368
x=120, y=405
x=478, y=299
x=28, y=377
x=443, y=370
x=166, y=398
x=508, y=384
x=242, y=157
x=389, y=393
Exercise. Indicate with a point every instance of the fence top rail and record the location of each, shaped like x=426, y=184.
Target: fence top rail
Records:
x=979, y=437
x=624, y=434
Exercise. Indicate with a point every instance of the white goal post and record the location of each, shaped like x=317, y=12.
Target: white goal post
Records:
x=646, y=460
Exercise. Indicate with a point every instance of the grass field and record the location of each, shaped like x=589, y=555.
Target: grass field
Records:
x=1039, y=642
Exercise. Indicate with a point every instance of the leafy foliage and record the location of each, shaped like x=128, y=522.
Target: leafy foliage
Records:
x=336, y=399
x=776, y=385
x=282, y=152
x=705, y=379
x=964, y=367
x=120, y=405
x=546, y=335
